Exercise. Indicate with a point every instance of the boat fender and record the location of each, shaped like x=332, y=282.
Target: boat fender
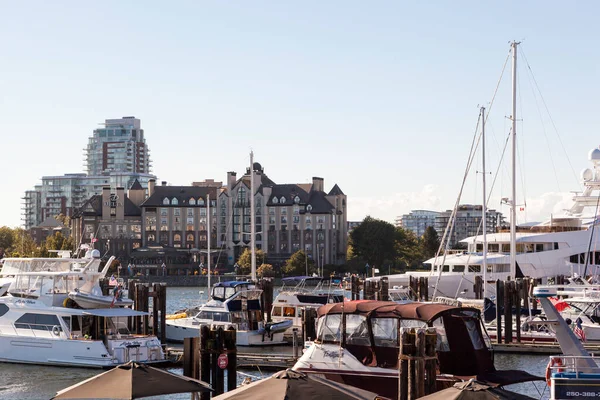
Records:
x=554, y=362
x=56, y=330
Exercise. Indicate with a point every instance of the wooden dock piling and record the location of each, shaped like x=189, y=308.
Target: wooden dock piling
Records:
x=416, y=363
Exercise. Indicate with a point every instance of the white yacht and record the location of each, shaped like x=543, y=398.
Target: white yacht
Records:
x=556, y=247
x=236, y=304
x=297, y=293
x=36, y=327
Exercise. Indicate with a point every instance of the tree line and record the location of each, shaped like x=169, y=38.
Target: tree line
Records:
x=388, y=248
x=17, y=242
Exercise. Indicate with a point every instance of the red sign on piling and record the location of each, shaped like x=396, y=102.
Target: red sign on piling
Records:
x=222, y=361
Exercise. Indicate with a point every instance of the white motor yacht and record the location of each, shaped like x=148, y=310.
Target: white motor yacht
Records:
x=298, y=292
x=236, y=304
x=37, y=328
x=560, y=246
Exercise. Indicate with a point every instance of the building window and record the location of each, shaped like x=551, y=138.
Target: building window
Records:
x=309, y=208
x=177, y=237
x=296, y=210
x=282, y=200
x=189, y=226
x=164, y=238
x=190, y=212
x=150, y=222
x=177, y=211
x=284, y=211
x=297, y=200
x=151, y=238
x=192, y=201
x=163, y=212
x=166, y=201
x=275, y=201
x=174, y=202
x=190, y=237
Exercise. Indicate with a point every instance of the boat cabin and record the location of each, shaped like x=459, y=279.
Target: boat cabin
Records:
x=369, y=330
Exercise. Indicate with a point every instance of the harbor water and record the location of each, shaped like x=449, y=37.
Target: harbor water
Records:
x=19, y=381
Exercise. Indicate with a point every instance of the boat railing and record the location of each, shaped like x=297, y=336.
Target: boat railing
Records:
x=560, y=365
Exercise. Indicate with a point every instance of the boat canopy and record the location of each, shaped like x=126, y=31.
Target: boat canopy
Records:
x=232, y=284
x=421, y=311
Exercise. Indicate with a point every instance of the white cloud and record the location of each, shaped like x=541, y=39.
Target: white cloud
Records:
x=389, y=207
x=538, y=208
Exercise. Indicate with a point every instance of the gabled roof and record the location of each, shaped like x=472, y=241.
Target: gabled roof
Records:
x=335, y=190
x=181, y=193
x=136, y=186
x=50, y=222
x=93, y=206
x=319, y=203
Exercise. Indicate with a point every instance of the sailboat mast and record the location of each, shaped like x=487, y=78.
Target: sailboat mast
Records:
x=252, y=218
x=484, y=208
x=208, y=242
x=513, y=210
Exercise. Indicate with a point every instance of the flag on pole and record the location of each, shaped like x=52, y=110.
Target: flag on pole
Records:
x=578, y=330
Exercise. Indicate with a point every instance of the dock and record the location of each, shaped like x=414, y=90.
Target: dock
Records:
x=539, y=348
x=244, y=360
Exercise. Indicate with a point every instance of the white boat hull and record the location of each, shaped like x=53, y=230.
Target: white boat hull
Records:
x=178, y=330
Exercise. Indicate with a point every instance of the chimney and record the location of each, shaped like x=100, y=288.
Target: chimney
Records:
x=164, y=183
x=106, y=202
x=317, y=184
x=231, y=178
x=120, y=203
x=151, y=184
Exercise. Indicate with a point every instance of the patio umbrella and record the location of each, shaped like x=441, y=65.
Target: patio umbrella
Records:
x=132, y=381
x=294, y=385
x=473, y=390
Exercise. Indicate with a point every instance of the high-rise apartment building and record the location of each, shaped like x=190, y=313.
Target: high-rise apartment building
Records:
x=468, y=222
x=116, y=156
x=119, y=146
x=417, y=221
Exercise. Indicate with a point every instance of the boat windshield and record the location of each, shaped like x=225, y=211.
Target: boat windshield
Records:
x=214, y=316
x=221, y=292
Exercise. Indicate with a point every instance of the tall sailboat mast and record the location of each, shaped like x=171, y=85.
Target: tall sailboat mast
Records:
x=484, y=208
x=513, y=209
x=208, y=242
x=252, y=218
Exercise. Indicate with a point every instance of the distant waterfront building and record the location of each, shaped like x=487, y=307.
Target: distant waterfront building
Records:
x=116, y=156
x=289, y=217
x=32, y=207
x=467, y=223
x=47, y=228
x=119, y=146
x=417, y=221
x=112, y=219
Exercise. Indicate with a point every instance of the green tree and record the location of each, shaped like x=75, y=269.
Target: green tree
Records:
x=297, y=264
x=23, y=244
x=245, y=260
x=408, y=250
x=6, y=238
x=374, y=241
x=63, y=219
x=58, y=241
x=265, y=270
x=430, y=242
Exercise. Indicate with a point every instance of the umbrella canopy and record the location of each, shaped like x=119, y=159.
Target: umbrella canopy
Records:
x=132, y=381
x=290, y=384
x=473, y=390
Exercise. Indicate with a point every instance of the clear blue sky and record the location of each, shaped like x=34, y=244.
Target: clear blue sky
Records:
x=380, y=98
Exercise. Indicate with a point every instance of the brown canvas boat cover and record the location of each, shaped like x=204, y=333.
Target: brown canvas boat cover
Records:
x=382, y=309
x=132, y=381
x=296, y=385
